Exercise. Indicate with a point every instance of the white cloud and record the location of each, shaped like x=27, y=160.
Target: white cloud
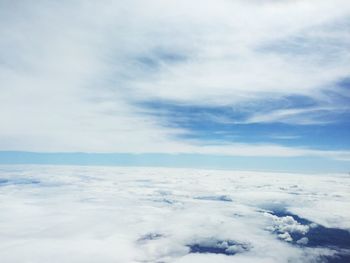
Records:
x=300, y=116
x=93, y=214
x=70, y=72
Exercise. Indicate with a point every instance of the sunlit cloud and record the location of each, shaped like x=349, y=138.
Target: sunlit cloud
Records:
x=76, y=76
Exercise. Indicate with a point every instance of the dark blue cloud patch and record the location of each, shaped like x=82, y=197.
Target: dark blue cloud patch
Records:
x=18, y=181
x=344, y=83
x=182, y=113
x=158, y=57
x=329, y=129
x=316, y=236
x=225, y=247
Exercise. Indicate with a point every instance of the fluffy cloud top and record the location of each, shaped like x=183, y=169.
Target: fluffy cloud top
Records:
x=93, y=214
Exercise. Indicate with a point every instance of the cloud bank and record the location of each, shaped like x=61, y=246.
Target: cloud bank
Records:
x=94, y=214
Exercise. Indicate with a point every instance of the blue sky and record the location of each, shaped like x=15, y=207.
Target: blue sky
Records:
x=158, y=79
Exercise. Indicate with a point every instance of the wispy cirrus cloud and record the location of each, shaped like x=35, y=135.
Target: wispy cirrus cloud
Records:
x=76, y=76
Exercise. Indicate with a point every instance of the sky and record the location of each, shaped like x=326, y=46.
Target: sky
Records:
x=259, y=80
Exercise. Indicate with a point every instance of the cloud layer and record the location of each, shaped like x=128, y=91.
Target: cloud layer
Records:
x=74, y=75
x=93, y=214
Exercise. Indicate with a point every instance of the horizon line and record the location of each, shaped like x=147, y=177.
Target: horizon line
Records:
x=179, y=160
